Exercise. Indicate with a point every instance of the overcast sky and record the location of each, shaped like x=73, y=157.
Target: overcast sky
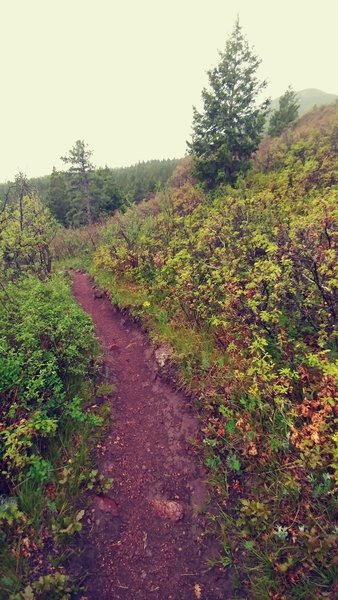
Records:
x=123, y=75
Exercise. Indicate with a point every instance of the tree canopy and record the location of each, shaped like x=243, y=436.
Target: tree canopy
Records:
x=80, y=166
x=285, y=114
x=26, y=231
x=228, y=130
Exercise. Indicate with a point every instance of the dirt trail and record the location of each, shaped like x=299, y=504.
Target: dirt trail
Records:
x=146, y=541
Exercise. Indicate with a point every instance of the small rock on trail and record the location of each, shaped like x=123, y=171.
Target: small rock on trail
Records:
x=168, y=509
x=106, y=505
x=146, y=540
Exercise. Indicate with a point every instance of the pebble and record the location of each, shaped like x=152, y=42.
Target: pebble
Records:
x=168, y=509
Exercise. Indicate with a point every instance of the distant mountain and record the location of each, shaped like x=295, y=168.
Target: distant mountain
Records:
x=308, y=99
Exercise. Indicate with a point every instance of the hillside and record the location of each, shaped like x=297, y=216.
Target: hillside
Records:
x=308, y=99
x=242, y=285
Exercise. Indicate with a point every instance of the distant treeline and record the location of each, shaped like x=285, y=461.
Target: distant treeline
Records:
x=110, y=189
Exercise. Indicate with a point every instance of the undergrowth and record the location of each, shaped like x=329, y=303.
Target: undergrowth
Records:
x=243, y=285
x=48, y=364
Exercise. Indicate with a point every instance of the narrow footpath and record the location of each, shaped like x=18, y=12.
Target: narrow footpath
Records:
x=146, y=540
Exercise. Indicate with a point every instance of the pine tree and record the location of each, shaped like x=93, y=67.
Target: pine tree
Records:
x=229, y=129
x=58, y=197
x=105, y=193
x=80, y=167
x=286, y=113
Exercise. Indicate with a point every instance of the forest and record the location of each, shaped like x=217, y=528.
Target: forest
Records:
x=110, y=189
x=228, y=256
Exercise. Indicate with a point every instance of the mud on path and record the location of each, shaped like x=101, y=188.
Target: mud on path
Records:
x=146, y=539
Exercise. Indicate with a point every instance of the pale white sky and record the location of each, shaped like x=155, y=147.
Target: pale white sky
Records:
x=123, y=76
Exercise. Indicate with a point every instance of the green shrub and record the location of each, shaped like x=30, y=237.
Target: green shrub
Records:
x=47, y=354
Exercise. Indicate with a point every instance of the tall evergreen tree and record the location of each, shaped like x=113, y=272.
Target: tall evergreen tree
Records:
x=80, y=167
x=286, y=113
x=229, y=129
x=58, y=198
x=105, y=193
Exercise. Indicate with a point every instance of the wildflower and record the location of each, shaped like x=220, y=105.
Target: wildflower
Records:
x=281, y=532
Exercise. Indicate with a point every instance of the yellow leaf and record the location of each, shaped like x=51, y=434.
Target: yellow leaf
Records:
x=198, y=591
x=80, y=515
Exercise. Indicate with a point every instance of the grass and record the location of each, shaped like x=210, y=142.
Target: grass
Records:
x=82, y=262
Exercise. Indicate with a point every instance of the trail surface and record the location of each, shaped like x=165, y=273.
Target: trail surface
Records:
x=146, y=539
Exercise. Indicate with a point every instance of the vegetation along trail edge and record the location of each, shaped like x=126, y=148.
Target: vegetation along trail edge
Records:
x=148, y=531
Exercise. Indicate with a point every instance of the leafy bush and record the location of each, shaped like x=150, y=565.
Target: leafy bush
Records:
x=47, y=353
x=26, y=231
